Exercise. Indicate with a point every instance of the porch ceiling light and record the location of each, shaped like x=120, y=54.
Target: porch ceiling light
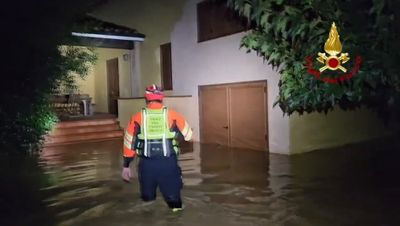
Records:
x=115, y=37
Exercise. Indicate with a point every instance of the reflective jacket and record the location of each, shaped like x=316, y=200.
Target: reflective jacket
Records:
x=139, y=130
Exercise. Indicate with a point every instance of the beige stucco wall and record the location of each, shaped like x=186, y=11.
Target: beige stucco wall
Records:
x=128, y=107
x=100, y=74
x=156, y=20
x=87, y=85
x=95, y=84
x=316, y=131
x=222, y=61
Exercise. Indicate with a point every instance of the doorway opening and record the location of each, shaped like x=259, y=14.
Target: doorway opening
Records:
x=113, y=86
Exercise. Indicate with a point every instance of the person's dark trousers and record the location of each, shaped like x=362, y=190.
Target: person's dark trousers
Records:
x=165, y=173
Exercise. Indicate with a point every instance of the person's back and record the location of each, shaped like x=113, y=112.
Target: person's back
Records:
x=152, y=134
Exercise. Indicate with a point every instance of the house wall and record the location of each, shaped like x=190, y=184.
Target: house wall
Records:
x=100, y=74
x=156, y=20
x=221, y=61
x=318, y=131
x=86, y=86
x=95, y=84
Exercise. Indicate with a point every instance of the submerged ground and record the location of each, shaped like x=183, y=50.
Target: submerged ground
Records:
x=79, y=185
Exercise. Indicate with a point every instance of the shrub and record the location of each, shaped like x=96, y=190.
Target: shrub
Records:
x=286, y=32
x=35, y=66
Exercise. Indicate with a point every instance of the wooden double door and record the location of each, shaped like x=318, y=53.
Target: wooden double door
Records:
x=234, y=115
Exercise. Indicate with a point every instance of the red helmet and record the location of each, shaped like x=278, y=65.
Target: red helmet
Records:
x=154, y=92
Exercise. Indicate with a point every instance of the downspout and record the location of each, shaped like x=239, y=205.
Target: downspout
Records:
x=136, y=70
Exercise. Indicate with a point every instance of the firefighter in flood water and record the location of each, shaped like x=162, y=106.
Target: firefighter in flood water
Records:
x=153, y=135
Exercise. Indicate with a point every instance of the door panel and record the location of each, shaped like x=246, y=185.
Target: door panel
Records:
x=248, y=116
x=113, y=85
x=214, y=115
x=235, y=115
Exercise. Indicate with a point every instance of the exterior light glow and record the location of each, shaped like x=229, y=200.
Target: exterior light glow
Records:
x=115, y=37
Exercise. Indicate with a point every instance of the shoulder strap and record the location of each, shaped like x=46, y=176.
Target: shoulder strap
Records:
x=144, y=129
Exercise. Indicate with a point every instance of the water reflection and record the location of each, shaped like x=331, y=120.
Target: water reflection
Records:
x=223, y=186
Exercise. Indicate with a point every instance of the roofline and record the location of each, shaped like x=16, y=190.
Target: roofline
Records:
x=105, y=36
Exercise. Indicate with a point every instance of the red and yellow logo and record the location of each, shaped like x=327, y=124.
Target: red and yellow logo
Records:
x=333, y=59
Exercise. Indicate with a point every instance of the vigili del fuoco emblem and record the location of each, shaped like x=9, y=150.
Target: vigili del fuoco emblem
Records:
x=333, y=59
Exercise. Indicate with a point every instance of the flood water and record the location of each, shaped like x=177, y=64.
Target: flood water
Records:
x=80, y=185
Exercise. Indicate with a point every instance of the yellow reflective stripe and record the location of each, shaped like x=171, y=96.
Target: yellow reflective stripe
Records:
x=189, y=135
x=177, y=150
x=127, y=139
x=165, y=129
x=128, y=136
x=186, y=129
x=187, y=132
x=127, y=143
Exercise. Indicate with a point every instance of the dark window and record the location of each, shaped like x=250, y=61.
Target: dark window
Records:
x=215, y=19
x=166, y=66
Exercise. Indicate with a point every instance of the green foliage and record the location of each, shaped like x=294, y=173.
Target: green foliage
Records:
x=35, y=67
x=286, y=32
x=77, y=62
